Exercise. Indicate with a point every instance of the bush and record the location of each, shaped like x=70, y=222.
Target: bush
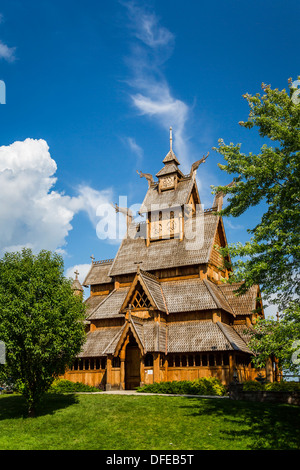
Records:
x=253, y=386
x=203, y=386
x=272, y=386
x=66, y=386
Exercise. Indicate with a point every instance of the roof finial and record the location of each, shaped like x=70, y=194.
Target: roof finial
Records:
x=76, y=274
x=138, y=266
x=171, y=138
x=92, y=258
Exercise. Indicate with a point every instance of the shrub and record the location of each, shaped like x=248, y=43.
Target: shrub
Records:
x=253, y=386
x=66, y=386
x=203, y=386
x=272, y=386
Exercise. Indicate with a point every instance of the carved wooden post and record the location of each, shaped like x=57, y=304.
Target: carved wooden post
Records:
x=231, y=366
x=108, y=372
x=122, y=367
x=142, y=371
x=156, y=367
x=166, y=368
x=122, y=373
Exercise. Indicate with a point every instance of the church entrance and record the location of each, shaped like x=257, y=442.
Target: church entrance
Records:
x=132, y=365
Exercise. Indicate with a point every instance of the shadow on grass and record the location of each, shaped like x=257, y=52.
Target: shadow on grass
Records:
x=264, y=426
x=14, y=406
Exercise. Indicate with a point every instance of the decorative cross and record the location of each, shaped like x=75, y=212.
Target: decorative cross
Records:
x=92, y=258
x=171, y=138
x=76, y=273
x=138, y=265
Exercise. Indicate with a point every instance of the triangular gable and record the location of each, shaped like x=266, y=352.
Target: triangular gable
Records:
x=194, y=193
x=145, y=292
x=129, y=327
x=219, y=239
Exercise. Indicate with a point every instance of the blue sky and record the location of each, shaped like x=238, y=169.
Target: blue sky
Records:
x=93, y=87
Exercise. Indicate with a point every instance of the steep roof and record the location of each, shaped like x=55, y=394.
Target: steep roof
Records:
x=93, y=301
x=192, y=250
x=171, y=157
x=241, y=304
x=97, y=341
x=203, y=336
x=110, y=306
x=167, y=199
x=98, y=273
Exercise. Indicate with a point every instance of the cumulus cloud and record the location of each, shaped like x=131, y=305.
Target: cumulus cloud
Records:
x=32, y=212
x=152, y=96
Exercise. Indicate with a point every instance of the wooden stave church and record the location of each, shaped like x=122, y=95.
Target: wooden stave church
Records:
x=161, y=311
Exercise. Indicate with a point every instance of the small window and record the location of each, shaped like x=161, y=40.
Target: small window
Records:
x=211, y=360
x=148, y=360
x=191, y=361
x=116, y=362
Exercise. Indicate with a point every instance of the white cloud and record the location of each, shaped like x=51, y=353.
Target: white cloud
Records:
x=7, y=53
x=82, y=269
x=152, y=95
x=135, y=148
x=32, y=213
x=145, y=26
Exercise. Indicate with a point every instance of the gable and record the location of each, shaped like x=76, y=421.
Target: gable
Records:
x=219, y=240
x=145, y=293
x=139, y=298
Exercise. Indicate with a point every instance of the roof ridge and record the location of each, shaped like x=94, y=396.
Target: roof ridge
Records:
x=235, y=346
x=223, y=296
x=208, y=287
x=116, y=335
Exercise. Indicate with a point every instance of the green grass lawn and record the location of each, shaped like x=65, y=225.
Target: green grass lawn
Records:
x=120, y=422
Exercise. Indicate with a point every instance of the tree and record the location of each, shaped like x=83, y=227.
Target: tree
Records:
x=271, y=258
x=41, y=321
x=278, y=339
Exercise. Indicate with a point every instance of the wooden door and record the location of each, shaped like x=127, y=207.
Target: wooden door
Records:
x=132, y=367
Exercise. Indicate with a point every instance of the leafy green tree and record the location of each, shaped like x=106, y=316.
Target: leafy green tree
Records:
x=41, y=321
x=278, y=339
x=271, y=258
